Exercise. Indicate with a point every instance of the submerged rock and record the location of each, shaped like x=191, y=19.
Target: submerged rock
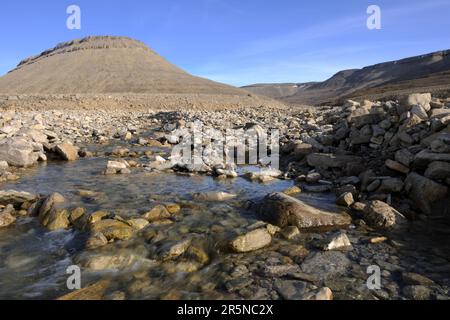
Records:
x=111, y=262
x=324, y=294
x=16, y=198
x=283, y=210
x=113, y=229
x=96, y=240
x=95, y=291
x=251, y=241
x=172, y=250
x=290, y=289
x=158, y=212
x=325, y=265
x=51, y=201
x=214, y=196
x=6, y=217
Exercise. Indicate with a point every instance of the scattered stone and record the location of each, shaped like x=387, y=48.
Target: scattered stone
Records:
x=3, y=165
x=113, y=229
x=67, y=151
x=345, y=200
x=313, y=177
x=325, y=265
x=338, y=241
x=115, y=167
x=251, y=241
x=94, y=292
x=273, y=230
x=417, y=292
x=331, y=161
x=172, y=250
x=51, y=201
x=438, y=170
x=292, y=191
x=377, y=240
x=290, y=289
x=391, y=185
x=16, y=198
x=324, y=294
x=290, y=232
x=427, y=194
x=405, y=157
x=138, y=224
x=410, y=278
x=96, y=240
x=418, y=99
x=56, y=219
x=380, y=215
x=6, y=218
x=158, y=212
x=396, y=166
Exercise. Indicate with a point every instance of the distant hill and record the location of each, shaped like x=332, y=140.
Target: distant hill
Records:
x=105, y=64
x=429, y=72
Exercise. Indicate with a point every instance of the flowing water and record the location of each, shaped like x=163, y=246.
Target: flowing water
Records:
x=33, y=261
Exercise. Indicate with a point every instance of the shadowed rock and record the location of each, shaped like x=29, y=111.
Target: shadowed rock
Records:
x=283, y=210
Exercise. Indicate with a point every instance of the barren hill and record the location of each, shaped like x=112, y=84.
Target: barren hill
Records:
x=104, y=65
x=421, y=73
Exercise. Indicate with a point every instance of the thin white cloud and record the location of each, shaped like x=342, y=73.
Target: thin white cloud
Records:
x=256, y=61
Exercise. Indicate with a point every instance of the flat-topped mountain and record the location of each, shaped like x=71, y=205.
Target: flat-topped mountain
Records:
x=429, y=72
x=105, y=64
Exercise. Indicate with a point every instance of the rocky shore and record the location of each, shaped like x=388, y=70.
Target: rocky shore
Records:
x=385, y=164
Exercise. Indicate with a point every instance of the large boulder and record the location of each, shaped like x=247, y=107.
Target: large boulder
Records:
x=18, y=152
x=67, y=151
x=57, y=219
x=428, y=195
x=363, y=116
x=438, y=170
x=324, y=160
x=417, y=99
x=425, y=157
x=380, y=215
x=282, y=210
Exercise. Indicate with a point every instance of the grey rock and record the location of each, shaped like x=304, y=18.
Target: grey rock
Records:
x=283, y=210
x=427, y=194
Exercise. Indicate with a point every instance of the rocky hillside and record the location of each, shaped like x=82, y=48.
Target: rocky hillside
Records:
x=422, y=73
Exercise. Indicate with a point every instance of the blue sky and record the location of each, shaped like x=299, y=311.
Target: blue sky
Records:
x=238, y=41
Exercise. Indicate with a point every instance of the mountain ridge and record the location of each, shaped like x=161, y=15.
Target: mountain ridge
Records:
x=380, y=79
